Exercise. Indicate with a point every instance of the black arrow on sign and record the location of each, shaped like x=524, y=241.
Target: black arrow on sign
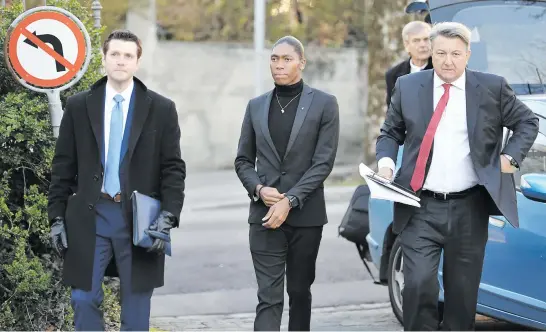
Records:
x=55, y=42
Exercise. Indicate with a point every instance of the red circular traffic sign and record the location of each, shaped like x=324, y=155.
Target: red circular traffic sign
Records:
x=46, y=48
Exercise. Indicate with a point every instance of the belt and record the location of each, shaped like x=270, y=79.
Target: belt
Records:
x=448, y=196
x=116, y=198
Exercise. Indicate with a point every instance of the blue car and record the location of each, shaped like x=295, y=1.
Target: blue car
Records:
x=508, y=39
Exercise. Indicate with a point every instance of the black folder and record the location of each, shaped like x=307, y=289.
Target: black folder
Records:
x=145, y=211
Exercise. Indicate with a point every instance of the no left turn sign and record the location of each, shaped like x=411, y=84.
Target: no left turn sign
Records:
x=47, y=48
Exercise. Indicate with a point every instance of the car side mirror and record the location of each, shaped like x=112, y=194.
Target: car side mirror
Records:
x=417, y=6
x=533, y=186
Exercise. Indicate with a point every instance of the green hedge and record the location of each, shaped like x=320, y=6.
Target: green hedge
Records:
x=32, y=296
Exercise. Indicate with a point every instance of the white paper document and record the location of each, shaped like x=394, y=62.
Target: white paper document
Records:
x=381, y=188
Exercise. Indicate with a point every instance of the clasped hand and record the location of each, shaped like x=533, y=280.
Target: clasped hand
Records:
x=278, y=207
x=270, y=196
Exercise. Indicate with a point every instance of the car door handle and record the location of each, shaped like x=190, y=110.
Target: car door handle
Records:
x=496, y=222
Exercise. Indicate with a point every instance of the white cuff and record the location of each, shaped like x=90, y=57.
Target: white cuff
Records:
x=386, y=162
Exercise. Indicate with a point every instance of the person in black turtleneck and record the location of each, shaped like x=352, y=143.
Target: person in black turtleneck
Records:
x=287, y=148
x=282, y=113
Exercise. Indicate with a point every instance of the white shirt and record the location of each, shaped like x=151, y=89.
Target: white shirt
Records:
x=451, y=168
x=414, y=68
x=109, y=104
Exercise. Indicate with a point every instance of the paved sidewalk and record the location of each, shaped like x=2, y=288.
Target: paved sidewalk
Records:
x=367, y=317
x=364, y=317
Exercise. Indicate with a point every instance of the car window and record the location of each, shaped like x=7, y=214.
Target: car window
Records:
x=507, y=39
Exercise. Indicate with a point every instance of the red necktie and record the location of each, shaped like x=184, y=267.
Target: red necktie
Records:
x=424, y=151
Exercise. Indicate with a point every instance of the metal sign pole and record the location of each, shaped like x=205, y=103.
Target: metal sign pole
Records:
x=259, y=40
x=96, y=9
x=55, y=110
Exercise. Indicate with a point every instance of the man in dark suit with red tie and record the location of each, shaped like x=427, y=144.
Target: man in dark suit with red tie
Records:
x=450, y=121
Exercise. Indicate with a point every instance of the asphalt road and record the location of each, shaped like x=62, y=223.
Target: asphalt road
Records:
x=211, y=269
x=210, y=283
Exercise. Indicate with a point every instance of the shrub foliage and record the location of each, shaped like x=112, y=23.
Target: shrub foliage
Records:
x=32, y=296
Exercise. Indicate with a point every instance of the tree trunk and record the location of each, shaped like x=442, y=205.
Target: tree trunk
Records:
x=385, y=20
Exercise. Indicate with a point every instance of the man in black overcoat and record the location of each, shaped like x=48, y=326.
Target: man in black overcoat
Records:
x=115, y=138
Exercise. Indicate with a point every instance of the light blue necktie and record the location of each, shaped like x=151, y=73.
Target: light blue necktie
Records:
x=111, y=180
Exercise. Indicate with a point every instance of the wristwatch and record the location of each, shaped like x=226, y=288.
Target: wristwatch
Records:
x=293, y=201
x=513, y=162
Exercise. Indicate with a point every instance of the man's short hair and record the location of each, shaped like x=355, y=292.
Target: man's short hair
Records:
x=294, y=42
x=451, y=30
x=124, y=35
x=414, y=27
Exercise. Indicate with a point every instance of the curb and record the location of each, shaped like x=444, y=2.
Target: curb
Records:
x=336, y=309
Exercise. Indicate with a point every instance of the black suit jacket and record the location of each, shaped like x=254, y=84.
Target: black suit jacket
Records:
x=401, y=69
x=152, y=165
x=308, y=160
x=491, y=105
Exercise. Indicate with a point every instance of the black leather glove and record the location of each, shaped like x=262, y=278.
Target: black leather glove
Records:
x=58, y=235
x=160, y=230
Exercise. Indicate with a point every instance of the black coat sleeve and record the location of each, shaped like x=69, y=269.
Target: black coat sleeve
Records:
x=389, y=80
x=64, y=166
x=173, y=167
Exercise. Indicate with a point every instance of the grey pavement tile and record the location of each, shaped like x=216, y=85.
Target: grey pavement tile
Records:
x=370, y=317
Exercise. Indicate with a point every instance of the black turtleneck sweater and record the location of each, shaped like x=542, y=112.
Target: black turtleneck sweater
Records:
x=280, y=124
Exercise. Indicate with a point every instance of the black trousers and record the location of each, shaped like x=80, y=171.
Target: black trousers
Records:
x=290, y=251
x=460, y=228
